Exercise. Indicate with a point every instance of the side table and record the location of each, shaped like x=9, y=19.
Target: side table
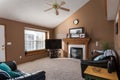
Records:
x=98, y=73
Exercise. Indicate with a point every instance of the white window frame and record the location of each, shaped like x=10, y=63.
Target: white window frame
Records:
x=35, y=40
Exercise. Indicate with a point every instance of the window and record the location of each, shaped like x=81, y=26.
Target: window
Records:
x=34, y=39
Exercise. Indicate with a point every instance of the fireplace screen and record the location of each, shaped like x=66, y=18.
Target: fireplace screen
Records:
x=76, y=53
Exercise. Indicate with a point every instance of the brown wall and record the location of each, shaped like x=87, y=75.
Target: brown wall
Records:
x=117, y=38
x=93, y=18
x=14, y=32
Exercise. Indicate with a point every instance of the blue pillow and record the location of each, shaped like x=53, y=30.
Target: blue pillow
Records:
x=14, y=74
x=100, y=57
x=5, y=67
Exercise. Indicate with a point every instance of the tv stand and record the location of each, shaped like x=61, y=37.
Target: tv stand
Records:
x=54, y=53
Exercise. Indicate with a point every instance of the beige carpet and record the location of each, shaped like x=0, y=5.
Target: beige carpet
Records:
x=56, y=69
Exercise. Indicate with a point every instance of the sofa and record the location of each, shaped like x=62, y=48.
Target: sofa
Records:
x=40, y=75
x=108, y=60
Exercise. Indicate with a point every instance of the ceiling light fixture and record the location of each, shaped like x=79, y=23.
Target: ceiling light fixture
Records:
x=57, y=6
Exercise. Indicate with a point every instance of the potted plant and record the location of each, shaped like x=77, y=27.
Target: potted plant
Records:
x=105, y=46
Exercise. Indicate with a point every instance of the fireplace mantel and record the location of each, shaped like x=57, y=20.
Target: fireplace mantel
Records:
x=82, y=41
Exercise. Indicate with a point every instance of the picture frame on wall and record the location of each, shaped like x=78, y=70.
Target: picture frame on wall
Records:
x=76, y=30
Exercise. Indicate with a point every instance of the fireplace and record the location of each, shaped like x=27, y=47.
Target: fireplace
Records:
x=76, y=43
x=76, y=53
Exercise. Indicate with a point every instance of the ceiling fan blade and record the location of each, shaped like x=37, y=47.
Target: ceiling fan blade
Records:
x=64, y=9
x=62, y=3
x=57, y=13
x=48, y=9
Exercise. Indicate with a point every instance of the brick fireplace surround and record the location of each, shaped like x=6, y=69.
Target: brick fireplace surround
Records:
x=76, y=41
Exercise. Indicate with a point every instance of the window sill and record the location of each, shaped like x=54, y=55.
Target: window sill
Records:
x=35, y=52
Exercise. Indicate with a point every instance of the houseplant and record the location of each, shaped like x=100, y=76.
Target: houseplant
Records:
x=105, y=46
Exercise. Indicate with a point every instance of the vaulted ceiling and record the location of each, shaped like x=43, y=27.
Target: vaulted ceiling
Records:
x=32, y=11
x=112, y=6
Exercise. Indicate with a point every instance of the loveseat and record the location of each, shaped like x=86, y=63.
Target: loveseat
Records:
x=40, y=75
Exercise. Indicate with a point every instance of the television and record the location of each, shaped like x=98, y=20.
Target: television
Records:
x=53, y=43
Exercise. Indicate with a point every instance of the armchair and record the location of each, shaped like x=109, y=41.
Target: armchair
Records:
x=40, y=75
x=107, y=60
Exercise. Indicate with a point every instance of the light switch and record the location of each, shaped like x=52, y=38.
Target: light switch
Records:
x=9, y=43
x=97, y=43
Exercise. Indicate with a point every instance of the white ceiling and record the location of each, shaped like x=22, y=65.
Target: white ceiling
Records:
x=32, y=11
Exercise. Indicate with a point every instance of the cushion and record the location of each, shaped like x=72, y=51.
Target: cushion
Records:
x=14, y=74
x=100, y=57
x=6, y=68
x=109, y=52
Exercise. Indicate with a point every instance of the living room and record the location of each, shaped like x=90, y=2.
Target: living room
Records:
x=92, y=17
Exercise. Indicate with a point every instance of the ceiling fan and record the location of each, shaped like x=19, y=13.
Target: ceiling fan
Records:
x=57, y=6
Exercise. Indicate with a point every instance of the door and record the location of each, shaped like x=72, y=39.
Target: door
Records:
x=2, y=43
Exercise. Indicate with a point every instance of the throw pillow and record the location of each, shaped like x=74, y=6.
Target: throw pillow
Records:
x=6, y=68
x=14, y=74
x=100, y=57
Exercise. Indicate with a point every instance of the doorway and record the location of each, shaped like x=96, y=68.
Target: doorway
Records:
x=2, y=43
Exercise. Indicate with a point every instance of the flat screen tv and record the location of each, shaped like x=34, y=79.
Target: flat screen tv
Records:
x=53, y=43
